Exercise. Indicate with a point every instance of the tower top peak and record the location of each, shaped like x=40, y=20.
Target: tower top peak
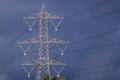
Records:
x=43, y=8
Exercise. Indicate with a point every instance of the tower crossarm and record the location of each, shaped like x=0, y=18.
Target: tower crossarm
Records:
x=56, y=40
x=54, y=62
x=51, y=62
x=28, y=64
x=29, y=67
x=35, y=40
x=38, y=16
x=32, y=40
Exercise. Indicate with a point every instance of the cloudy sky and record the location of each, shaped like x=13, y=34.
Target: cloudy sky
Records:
x=91, y=26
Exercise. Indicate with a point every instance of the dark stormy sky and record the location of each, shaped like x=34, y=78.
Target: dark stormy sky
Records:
x=91, y=26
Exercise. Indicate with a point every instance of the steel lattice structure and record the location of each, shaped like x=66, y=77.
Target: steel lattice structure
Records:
x=42, y=40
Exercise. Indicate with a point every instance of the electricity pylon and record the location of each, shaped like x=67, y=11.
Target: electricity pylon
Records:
x=42, y=40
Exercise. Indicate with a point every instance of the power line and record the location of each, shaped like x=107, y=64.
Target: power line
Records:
x=9, y=62
x=102, y=46
x=95, y=17
x=102, y=70
x=101, y=34
x=96, y=47
x=14, y=40
x=89, y=8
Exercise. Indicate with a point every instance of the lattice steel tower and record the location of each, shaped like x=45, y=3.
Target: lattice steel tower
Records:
x=42, y=40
